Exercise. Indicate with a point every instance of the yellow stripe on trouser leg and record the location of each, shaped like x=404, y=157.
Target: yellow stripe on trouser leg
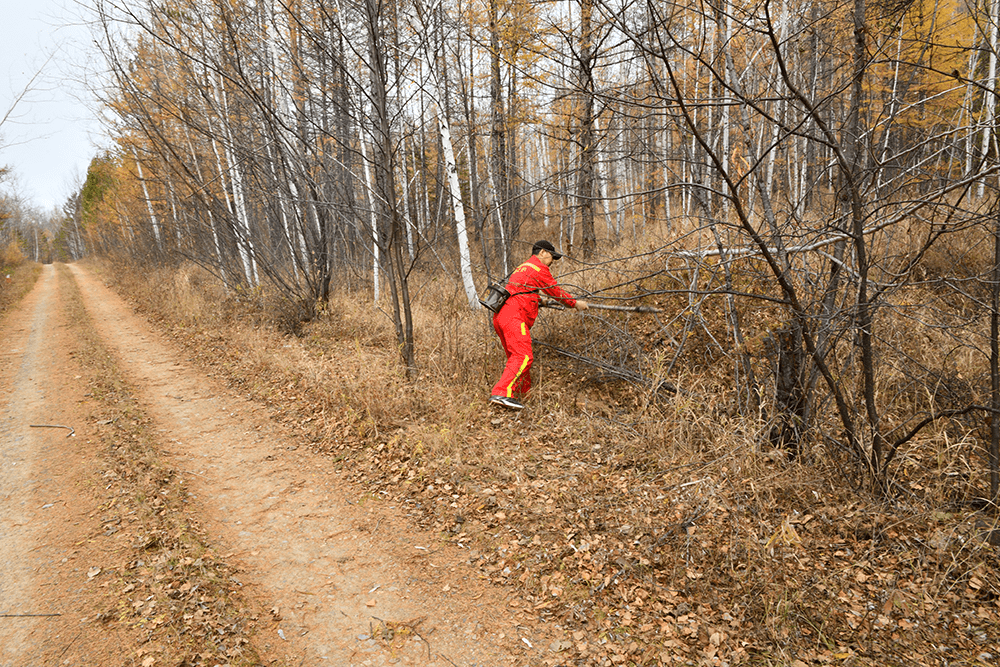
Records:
x=520, y=371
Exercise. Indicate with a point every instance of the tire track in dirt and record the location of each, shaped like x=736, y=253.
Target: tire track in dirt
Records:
x=45, y=593
x=348, y=581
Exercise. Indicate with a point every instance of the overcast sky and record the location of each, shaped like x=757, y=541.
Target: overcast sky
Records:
x=52, y=134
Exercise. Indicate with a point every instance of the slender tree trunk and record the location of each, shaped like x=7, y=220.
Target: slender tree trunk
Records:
x=994, y=450
x=407, y=218
x=728, y=79
x=243, y=241
x=471, y=144
x=385, y=188
x=498, y=136
x=864, y=313
x=991, y=82
x=968, y=106
x=149, y=204
x=586, y=136
x=373, y=217
x=451, y=170
x=499, y=218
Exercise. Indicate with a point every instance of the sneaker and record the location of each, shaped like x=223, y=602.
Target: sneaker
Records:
x=506, y=402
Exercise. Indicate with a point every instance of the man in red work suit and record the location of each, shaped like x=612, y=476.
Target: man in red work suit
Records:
x=513, y=322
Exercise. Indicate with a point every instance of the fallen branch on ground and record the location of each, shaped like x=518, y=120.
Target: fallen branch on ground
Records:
x=68, y=435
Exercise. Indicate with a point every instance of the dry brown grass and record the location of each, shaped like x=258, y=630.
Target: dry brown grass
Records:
x=652, y=524
x=22, y=277
x=11, y=256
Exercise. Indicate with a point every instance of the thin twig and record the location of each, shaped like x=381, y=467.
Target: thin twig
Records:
x=71, y=430
x=73, y=641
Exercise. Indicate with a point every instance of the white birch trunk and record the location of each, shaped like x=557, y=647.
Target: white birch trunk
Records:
x=173, y=211
x=967, y=108
x=772, y=152
x=991, y=82
x=370, y=184
x=281, y=81
x=725, y=110
x=543, y=166
x=149, y=204
x=706, y=179
x=406, y=201
x=472, y=163
x=244, y=241
x=222, y=178
x=879, y=180
x=602, y=179
x=419, y=222
x=208, y=209
x=289, y=233
x=451, y=169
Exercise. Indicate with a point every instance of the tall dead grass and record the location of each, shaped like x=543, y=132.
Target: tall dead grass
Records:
x=17, y=275
x=344, y=364
x=645, y=487
x=11, y=256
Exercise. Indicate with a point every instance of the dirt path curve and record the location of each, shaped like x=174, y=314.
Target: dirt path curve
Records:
x=334, y=567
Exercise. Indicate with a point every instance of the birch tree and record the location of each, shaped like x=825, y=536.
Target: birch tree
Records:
x=451, y=168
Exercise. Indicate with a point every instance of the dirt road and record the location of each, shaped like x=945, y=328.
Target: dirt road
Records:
x=334, y=569
x=43, y=508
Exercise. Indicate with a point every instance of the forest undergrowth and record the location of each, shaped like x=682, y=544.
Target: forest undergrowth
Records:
x=659, y=528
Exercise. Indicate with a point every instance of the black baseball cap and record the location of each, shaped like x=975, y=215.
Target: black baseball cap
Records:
x=545, y=245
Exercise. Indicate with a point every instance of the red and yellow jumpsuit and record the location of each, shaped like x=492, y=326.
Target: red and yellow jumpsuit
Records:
x=513, y=323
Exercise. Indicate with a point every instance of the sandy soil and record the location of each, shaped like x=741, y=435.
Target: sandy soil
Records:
x=332, y=564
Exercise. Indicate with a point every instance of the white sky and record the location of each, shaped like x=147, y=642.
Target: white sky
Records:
x=52, y=134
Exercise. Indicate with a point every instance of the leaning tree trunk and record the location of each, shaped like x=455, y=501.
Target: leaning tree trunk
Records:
x=853, y=183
